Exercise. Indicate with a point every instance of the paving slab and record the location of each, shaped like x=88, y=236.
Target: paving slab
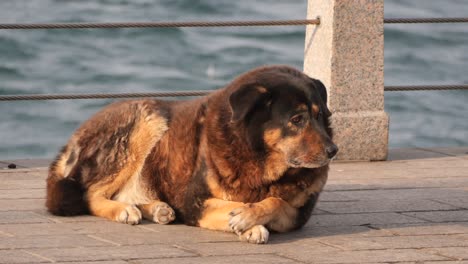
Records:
x=366, y=256
x=21, y=204
x=401, y=183
x=410, y=209
x=22, y=194
x=96, y=262
x=74, y=228
x=111, y=253
x=416, y=153
x=259, y=258
x=446, y=228
x=396, y=242
x=377, y=206
x=408, y=194
x=440, y=216
x=362, y=219
x=455, y=253
x=458, y=201
x=22, y=217
x=47, y=241
x=20, y=256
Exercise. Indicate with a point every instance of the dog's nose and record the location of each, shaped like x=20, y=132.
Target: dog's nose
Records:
x=331, y=150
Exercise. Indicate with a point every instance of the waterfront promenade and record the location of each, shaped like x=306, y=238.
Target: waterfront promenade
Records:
x=412, y=208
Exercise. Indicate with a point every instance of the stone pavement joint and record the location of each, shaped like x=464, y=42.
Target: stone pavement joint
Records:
x=410, y=209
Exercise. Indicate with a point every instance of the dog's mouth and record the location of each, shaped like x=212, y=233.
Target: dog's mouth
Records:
x=294, y=163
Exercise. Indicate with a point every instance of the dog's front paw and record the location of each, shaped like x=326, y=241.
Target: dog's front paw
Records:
x=243, y=218
x=255, y=235
x=130, y=215
x=163, y=213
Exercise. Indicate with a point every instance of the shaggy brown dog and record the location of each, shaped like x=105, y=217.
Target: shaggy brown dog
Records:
x=248, y=158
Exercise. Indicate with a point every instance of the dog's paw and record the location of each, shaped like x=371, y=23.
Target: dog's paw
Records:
x=130, y=215
x=255, y=235
x=163, y=213
x=243, y=218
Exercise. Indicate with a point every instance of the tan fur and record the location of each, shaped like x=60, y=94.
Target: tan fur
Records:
x=275, y=163
x=261, y=89
x=302, y=107
x=157, y=211
x=216, y=214
x=62, y=167
x=125, y=187
x=148, y=132
x=133, y=192
x=301, y=198
x=315, y=109
x=275, y=166
x=216, y=190
x=147, y=210
x=69, y=166
x=103, y=207
x=272, y=136
x=272, y=212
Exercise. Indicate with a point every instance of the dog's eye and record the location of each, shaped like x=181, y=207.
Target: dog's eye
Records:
x=297, y=119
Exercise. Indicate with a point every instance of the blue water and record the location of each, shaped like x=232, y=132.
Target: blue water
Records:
x=137, y=60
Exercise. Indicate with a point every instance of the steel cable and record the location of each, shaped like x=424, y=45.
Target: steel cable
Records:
x=425, y=20
x=20, y=97
x=212, y=23
x=162, y=24
x=426, y=88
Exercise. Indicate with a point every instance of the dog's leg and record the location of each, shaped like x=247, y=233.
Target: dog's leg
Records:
x=215, y=215
x=257, y=235
x=113, y=210
x=100, y=201
x=248, y=220
x=158, y=212
x=274, y=213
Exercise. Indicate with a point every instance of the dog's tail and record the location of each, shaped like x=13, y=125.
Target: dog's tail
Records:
x=65, y=193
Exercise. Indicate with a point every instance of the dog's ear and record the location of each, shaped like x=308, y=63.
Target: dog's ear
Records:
x=318, y=86
x=244, y=99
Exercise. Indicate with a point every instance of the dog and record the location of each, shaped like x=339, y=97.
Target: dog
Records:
x=250, y=158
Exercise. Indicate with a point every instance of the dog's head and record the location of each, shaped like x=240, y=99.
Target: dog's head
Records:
x=285, y=113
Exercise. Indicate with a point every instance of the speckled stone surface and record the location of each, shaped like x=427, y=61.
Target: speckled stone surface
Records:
x=361, y=135
x=346, y=53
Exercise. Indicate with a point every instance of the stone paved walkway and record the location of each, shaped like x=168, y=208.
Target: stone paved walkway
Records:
x=412, y=209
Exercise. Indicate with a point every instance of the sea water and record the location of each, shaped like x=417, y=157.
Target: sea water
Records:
x=149, y=60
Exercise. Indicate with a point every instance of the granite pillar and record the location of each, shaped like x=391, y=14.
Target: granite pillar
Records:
x=345, y=52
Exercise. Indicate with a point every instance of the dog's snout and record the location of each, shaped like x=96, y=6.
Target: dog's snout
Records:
x=331, y=150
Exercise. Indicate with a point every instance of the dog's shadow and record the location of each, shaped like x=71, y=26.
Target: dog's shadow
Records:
x=397, y=217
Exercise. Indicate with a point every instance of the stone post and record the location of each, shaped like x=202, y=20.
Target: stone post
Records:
x=346, y=52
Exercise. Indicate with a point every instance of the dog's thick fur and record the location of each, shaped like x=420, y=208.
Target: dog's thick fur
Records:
x=248, y=158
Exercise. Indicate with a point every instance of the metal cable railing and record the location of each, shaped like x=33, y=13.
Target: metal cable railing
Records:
x=250, y=23
x=22, y=97
x=17, y=97
x=425, y=20
x=426, y=88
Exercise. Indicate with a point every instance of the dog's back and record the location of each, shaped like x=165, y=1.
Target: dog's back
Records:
x=118, y=136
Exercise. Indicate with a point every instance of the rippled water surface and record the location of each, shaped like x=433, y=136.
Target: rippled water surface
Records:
x=137, y=60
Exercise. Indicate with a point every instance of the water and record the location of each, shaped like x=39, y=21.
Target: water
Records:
x=138, y=60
